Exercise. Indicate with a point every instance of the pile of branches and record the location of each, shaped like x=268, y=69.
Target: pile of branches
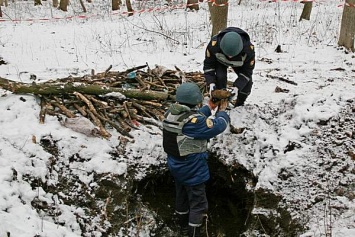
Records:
x=110, y=99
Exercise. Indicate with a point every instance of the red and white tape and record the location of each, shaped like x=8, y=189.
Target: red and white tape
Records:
x=158, y=9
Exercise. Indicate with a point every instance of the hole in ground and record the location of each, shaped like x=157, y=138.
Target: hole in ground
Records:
x=229, y=201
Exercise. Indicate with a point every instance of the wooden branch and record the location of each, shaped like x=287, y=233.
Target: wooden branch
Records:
x=86, y=101
x=151, y=121
x=121, y=128
x=98, y=123
x=135, y=68
x=64, y=109
x=101, y=104
x=141, y=82
x=158, y=86
x=281, y=79
x=67, y=88
x=124, y=129
x=107, y=70
x=151, y=103
x=42, y=113
x=126, y=109
x=96, y=117
x=155, y=113
x=93, y=115
x=141, y=108
x=80, y=109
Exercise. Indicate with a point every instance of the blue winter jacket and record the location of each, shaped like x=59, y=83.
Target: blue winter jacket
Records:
x=193, y=169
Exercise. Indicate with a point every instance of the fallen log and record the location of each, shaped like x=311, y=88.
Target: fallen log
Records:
x=69, y=88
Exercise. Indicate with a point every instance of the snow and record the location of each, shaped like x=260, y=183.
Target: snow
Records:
x=57, y=48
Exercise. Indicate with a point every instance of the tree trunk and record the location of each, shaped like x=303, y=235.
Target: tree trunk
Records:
x=38, y=2
x=56, y=88
x=0, y=11
x=306, y=12
x=55, y=3
x=219, y=15
x=82, y=5
x=63, y=5
x=347, y=29
x=129, y=7
x=193, y=5
x=116, y=5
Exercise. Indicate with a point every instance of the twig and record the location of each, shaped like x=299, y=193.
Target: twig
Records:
x=141, y=108
x=80, y=109
x=107, y=70
x=153, y=31
x=281, y=79
x=98, y=123
x=141, y=82
x=135, y=68
x=126, y=109
x=64, y=109
x=42, y=113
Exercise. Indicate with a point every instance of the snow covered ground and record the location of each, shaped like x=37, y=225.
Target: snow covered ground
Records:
x=299, y=144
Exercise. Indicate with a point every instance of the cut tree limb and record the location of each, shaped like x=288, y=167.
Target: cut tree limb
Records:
x=281, y=79
x=103, y=132
x=80, y=109
x=66, y=88
x=42, y=113
x=64, y=109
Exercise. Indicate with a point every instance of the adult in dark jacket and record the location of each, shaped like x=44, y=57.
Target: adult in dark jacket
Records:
x=186, y=131
x=230, y=48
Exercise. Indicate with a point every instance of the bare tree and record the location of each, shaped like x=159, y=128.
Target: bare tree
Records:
x=347, y=29
x=2, y=2
x=193, y=5
x=82, y=5
x=307, y=9
x=219, y=15
x=0, y=11
x=63, y=5
x=55, y=3
x=129, y=7
x=38, y=2
x=116, y=5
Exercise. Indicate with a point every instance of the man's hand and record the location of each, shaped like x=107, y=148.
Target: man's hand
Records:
x=223, y=104
x=212, y=104
x=212, y=87
x=234, y=93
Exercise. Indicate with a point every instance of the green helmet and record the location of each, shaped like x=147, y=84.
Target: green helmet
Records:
x=188, y=93
x=231, y=44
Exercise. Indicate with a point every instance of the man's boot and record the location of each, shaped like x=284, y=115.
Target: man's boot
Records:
x=194, y=231
x=240, y=99
x=183, y=220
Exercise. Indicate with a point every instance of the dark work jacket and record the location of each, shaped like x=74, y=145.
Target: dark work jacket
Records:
x=247, y=55
x=193, y=169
